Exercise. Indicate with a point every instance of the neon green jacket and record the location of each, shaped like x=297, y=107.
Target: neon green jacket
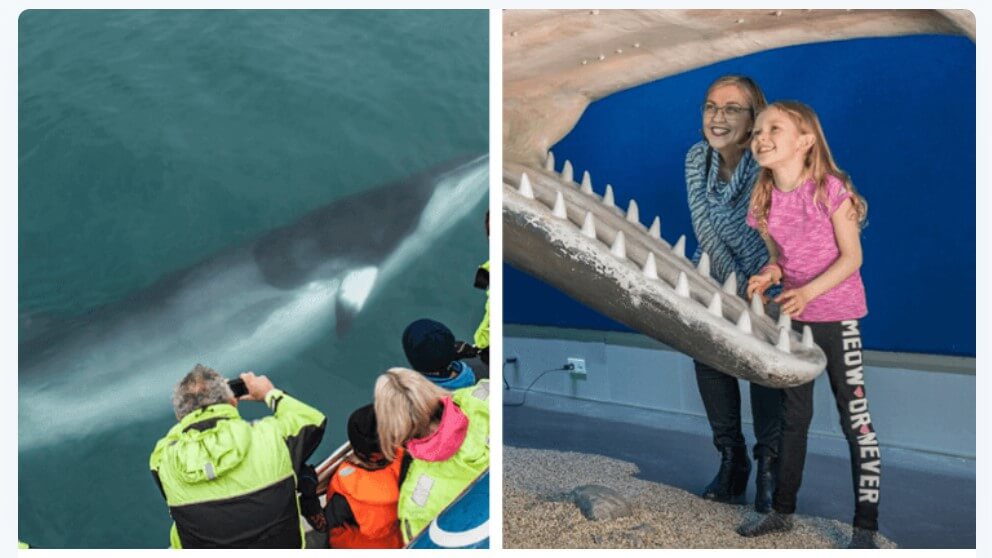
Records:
x=232, y=484
x=431, y=486
x=481, y=339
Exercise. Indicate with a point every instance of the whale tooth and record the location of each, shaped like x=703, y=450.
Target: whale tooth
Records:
x=756, y=305
x=559, y=210
x=608, y=196
x=619, y=247
x=589, y=226
x=633, y=215
x=525, y=188
x=730, y=285
x=566, y=172
x=716, y=305
x=655, y=229
x=650, y=268
x=783, y=340
x=784, y=320
x=682, y=285
x=744, y=322
x=807, y=337
x=586, y=187
x=549, y=162
x=679, y=248
x=704, y=265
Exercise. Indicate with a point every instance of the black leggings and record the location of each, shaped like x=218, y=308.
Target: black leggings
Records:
x=721, y=396
x=841, y=341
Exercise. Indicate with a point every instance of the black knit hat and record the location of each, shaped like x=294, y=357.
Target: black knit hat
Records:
x=429, y=346
x=362, y=432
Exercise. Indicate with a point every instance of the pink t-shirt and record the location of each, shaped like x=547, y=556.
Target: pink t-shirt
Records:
x=804, y=234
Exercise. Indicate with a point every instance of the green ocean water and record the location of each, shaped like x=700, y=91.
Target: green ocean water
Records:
x=151, y=141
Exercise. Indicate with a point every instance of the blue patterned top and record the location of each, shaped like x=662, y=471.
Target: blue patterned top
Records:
x=719, y=215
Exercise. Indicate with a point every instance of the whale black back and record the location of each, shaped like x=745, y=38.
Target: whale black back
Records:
x=357, y=230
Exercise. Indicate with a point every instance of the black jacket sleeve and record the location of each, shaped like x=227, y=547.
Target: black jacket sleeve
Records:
x=338, y=512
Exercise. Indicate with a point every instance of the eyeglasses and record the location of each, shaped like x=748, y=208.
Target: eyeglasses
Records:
x=730, y=112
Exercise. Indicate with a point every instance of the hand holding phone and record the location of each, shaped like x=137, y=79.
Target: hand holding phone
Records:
x=256, y=387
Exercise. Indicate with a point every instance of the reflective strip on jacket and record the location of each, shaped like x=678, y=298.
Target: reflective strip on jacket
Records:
x=431, y=486
x=230, y=483
x=372, y=498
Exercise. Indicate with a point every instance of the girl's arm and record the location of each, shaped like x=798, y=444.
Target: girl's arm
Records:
x=847, y=233
x=769, y=275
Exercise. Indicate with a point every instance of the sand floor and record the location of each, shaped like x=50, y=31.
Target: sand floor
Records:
x=538, y=512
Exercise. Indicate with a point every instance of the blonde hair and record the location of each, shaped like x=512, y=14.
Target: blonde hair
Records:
x=819, y=164
x=405, y=404
x=750, y=89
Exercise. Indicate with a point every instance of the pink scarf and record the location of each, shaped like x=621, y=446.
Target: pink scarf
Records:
x=446, y=440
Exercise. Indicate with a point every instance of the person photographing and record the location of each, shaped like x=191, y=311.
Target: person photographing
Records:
x=230, y=483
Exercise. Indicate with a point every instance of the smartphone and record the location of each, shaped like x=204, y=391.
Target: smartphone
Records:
x=238, y=387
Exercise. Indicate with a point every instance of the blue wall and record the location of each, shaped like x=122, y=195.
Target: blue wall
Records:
x=899, y=114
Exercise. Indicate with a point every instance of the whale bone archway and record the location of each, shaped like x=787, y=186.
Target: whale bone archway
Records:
x=557, y=62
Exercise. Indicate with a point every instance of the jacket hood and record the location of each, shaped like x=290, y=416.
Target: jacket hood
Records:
x=464, y=378
x=446, y=440
x=208, y=443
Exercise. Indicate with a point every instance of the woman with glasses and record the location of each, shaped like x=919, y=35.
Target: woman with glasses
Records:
x=720, y=173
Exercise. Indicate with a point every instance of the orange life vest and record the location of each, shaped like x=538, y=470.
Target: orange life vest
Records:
x=372, y=497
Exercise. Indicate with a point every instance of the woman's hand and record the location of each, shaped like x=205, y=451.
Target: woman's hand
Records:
x=769, y=275
x=793, y=301
x=758, y=284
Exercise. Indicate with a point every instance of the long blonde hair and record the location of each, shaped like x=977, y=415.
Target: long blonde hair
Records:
x=819, y=164
x=405, y=405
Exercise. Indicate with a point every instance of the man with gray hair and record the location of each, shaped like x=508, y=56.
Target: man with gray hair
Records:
x=230, y=483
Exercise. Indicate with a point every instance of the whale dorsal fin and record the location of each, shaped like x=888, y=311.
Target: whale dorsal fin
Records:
x=355, y=290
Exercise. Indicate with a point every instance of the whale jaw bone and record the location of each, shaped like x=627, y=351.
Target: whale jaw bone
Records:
x=643, y=282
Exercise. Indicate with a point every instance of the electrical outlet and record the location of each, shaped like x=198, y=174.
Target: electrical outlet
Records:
x=578, y=366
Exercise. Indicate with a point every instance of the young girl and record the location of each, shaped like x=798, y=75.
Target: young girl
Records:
x=810, y=217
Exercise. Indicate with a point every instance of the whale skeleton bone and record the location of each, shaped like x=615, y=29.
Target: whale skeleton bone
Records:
x=614, y=264
x=556, y=62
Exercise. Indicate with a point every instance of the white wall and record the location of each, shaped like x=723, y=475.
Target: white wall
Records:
x=915, y=403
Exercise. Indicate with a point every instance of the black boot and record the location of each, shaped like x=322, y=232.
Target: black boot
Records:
x=862, y=538
x=730, y=482
x=765, y=481
x=773, y=522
